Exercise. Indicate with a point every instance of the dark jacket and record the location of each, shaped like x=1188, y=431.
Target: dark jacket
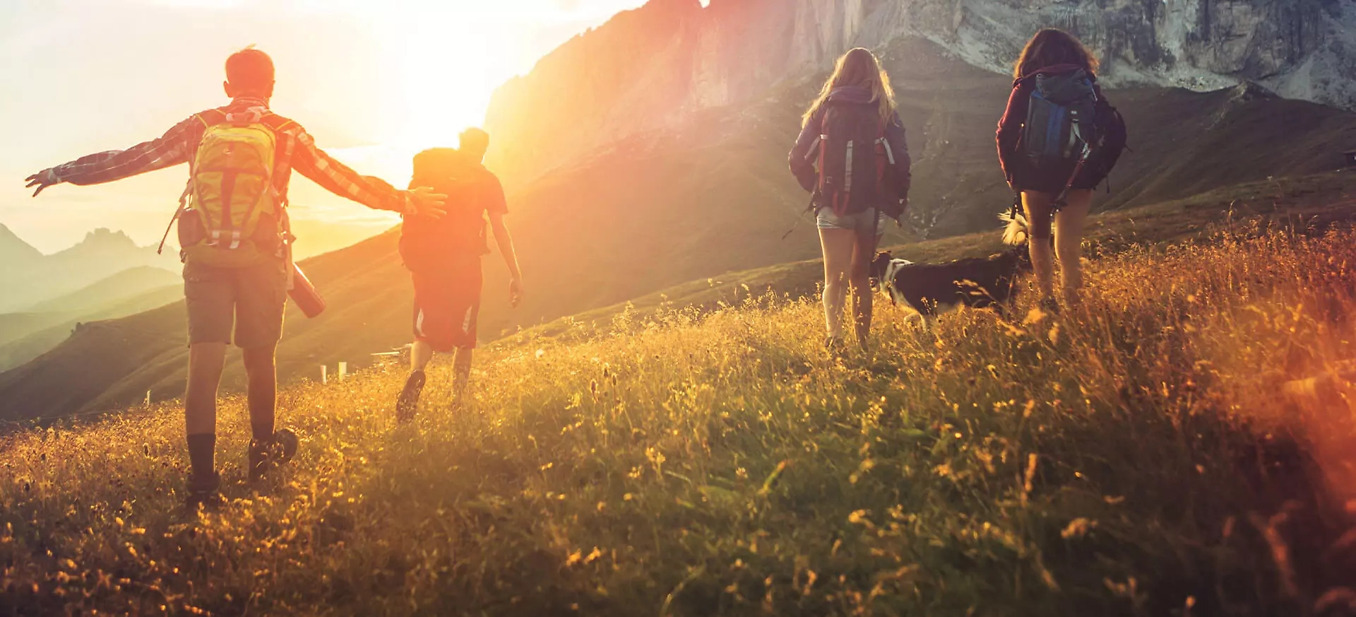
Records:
x=802, y=156
x=1010, y=126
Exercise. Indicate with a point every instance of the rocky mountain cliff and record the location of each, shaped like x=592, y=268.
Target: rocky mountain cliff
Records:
x=654, y=66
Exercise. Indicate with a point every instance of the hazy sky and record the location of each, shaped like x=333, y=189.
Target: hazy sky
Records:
x=373, y=80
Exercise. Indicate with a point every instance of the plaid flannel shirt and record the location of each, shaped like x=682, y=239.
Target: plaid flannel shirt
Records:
x=296, y=150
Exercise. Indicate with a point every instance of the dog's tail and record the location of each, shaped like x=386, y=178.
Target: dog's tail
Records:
x=1017, y=232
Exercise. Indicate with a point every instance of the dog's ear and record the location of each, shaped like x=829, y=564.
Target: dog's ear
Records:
x=878, y=266
x=879, y=263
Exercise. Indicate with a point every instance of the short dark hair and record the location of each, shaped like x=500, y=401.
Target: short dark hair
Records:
x=250, y=69
x=474, y=140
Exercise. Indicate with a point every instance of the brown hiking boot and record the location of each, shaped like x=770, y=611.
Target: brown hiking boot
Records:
x=266, y=455
x=203, y=491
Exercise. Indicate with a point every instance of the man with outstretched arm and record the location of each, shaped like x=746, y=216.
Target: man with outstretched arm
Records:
x=443, y=257
x=234, y=233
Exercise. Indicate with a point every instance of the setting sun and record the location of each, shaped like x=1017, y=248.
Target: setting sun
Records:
x=374, y=81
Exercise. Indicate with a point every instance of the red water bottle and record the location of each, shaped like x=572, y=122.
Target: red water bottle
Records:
x=304, y=294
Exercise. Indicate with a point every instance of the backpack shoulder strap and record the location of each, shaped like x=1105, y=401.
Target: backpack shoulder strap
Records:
x=276, y=122
x=211, y=117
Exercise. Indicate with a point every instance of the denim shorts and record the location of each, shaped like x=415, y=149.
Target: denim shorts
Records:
x=858, y=221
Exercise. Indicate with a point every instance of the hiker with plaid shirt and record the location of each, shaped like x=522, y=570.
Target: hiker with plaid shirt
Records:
x=248, y=298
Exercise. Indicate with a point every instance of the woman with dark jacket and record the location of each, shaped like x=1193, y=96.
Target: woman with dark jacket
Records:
x=848, y=233
x=1050, y=53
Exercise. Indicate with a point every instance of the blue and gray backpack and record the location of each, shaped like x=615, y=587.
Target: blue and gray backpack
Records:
x=1061, y=124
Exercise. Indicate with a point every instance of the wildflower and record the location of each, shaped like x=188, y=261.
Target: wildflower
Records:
x=1077, y=528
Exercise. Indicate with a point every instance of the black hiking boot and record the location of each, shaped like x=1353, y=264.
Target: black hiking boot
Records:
x=203, y=492
x=409, y=397
x=266, y=455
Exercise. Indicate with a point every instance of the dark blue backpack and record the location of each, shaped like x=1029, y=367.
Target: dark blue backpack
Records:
x=1061, y=124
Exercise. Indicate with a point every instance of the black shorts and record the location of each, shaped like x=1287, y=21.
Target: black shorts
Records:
x=1054, y=180
x=446, y=304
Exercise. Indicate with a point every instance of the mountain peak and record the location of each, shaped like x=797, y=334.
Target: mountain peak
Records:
x=13, y=248
x=106, y=237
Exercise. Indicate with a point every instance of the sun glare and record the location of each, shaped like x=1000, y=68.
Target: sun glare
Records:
x=446, y=65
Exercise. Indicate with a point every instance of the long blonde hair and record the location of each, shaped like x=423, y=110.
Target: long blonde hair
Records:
x=858, y=67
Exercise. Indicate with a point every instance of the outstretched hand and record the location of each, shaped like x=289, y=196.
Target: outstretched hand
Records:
x=424, y=202
x=42, y=180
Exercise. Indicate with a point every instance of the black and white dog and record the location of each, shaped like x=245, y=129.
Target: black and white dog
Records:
x=930, y=289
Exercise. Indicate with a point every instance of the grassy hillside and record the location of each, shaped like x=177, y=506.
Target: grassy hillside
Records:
x=360, y=322
x=41, y=340
x=110, y=292
x=680, y=206
x=1304, y=201
x=1179, y=444
x=18, y=325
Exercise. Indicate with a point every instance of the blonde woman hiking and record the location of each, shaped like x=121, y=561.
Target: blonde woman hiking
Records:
x=1058, y=140
x=852, y=156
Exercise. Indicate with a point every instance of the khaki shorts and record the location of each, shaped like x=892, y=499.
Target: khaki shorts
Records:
x=249, y=300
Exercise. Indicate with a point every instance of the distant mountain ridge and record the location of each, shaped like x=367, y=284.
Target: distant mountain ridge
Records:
x=14, y=252
x=29, y=278
x=116, y=289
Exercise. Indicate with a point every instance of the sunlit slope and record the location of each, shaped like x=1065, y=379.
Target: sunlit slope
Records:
x=23, y=349
x=110, y=292
x=691, y=202
x=1145, y=452
x=24, y=336
x=111, y=363
x=118, y=361
x=1296, y=202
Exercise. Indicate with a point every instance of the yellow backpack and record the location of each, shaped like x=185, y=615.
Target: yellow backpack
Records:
x=231, y=214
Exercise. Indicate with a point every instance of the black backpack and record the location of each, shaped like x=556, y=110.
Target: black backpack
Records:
x=426, y=242
x=852, y=158
x=1061, y=121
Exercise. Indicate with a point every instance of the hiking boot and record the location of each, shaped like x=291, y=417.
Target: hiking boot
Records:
x=266, y=455
x=203, y=491
x=409, y=397
x=1049, y=305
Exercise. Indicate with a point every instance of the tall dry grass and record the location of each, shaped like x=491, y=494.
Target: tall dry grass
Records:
x=1177, y=444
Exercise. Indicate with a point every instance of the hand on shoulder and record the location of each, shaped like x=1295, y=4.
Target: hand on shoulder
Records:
x=422, y=201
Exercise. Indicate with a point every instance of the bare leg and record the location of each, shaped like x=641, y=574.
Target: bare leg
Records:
x=1069, y=224
x=205, y=361
x=860, y=280
x=838, y=246
x=262, y=373
x=1038, y=206
x=461, y=374
x=421, y=353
